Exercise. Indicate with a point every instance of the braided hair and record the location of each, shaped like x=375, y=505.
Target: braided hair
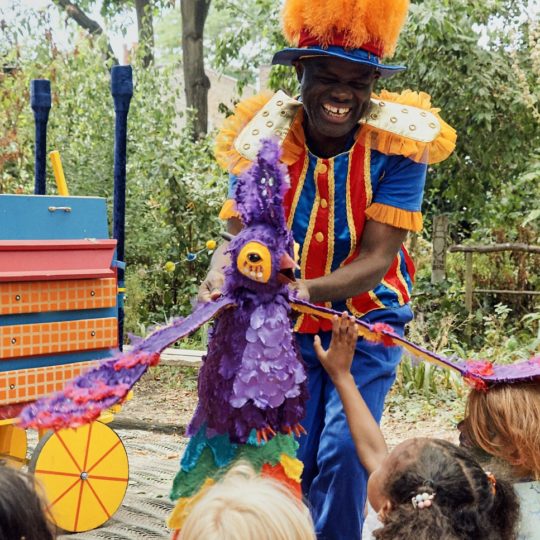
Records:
x=465, y=504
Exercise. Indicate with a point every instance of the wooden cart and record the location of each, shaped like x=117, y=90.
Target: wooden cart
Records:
x=61, y=293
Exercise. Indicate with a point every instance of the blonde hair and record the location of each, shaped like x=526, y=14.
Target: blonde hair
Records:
x=246, y=506
x=505, y=422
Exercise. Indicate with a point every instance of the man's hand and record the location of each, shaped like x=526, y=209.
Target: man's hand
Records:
x=337, y=360
x=210, y=288
x=301, y=290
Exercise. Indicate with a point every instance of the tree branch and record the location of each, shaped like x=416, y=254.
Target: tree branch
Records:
x=81, y=18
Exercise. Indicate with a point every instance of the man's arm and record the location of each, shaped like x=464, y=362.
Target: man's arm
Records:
x=379, y=245
x=210, y=288
x=366, y=434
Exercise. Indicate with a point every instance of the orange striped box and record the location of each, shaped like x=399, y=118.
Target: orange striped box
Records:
x=46, y=296
x=24, y=385
x=57, y=337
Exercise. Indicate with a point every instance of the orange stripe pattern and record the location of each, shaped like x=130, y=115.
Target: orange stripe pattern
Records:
x=56, y=337
x=46, y=296
x=22, y=385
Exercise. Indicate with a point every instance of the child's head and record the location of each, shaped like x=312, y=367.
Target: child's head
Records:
x=463, y=502
x=505, y=422
x=22, y=513
x=246, y=506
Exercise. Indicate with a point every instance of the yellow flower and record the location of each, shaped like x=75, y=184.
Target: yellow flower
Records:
x=211, y=245
x=293, y=467
x=169, y=266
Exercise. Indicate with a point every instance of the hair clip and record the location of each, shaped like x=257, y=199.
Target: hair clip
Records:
x=422, y=500
x=492, y=481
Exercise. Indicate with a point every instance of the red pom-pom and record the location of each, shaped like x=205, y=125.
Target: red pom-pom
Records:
x=476, y=383
x=382, y=329
x=479, y=367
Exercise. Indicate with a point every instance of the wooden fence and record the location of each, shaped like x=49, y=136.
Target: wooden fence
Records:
x=440, y=249
x=493, y=248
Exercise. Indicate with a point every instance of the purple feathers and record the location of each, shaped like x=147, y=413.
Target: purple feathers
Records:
x=87, y=396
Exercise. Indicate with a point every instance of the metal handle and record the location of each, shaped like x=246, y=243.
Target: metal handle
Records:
x=66, y=209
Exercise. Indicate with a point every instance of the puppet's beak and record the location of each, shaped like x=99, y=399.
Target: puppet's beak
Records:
x=287, y=262
x=286, y=269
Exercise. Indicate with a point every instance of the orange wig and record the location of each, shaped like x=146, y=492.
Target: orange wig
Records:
x=505, y=422
x=377, y=22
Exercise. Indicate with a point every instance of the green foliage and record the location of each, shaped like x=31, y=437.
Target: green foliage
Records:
x=474, y=85
x=249, y=35
x=174, y=186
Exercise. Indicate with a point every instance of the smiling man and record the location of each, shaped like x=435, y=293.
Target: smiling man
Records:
x=357, y=164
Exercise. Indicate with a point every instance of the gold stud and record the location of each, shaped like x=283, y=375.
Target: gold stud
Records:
x=279, y=103
x=432, y=125
x=423, y=113
x=319, y=237
x=269, y=124
x=374, y=116
x=247, y=146
x=405, y=110
x=283, y=113
x=412, y=127
x=255, y=132
x=382, y=104
x=393, y=119
x=265, y=113
x=324, y=203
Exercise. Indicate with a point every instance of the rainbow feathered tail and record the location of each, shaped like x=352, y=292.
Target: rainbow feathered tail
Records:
x=208, y=456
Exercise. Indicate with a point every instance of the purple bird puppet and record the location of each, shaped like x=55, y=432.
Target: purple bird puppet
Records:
x=253, y=376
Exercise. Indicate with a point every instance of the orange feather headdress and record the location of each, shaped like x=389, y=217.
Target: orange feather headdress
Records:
x=362, y=31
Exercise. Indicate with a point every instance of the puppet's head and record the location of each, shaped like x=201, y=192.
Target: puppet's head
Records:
x=261, y=254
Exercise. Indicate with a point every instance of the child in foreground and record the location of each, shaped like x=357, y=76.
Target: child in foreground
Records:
x=424, y=489
x=504, y=422
x=22, y=513
x=247, y=506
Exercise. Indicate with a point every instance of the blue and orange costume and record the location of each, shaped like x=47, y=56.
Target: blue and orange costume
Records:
x=381, y=176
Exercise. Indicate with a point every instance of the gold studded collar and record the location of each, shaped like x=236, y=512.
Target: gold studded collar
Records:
x=273, y=121
x=403, y=120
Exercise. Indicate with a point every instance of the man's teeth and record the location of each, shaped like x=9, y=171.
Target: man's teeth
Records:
x=336, y=111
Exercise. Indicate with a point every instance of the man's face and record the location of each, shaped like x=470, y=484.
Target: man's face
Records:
x=335, y=94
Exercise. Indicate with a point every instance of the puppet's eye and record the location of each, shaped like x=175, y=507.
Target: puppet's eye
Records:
x=255, y=262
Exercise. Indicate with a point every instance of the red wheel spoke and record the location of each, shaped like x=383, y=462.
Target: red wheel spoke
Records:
x=104, y=455
x=77, y=513
x=68, y=451
x=58, y=473
x=115, y=478
x=65, y=492
x=87, y=447
x=98, y=499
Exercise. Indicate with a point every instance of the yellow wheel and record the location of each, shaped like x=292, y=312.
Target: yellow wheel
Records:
x=13, y=445
x=84, y=473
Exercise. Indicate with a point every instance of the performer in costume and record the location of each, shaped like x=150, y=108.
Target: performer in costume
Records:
x=357, y=163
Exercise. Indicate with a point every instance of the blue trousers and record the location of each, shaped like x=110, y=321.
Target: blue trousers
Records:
x=334, y=481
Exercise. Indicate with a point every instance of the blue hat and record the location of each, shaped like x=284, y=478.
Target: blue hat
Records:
x=359, y=31
x=286, y=57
